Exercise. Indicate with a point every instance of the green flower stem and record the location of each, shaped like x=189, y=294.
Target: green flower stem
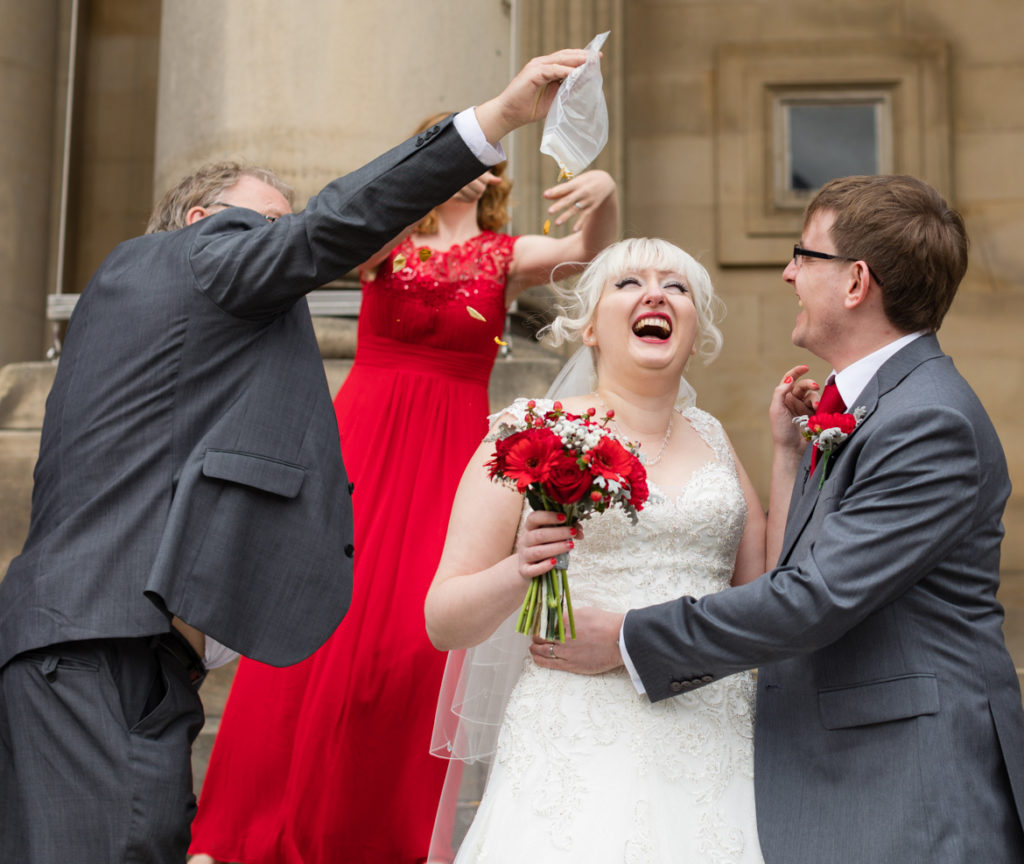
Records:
x=547, y=597
x=556, y=581
x=552, y=599
x=568, y=604
x=824, y=466
x=527, y=613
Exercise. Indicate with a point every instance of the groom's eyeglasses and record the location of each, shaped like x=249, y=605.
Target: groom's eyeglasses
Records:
x=799, y=252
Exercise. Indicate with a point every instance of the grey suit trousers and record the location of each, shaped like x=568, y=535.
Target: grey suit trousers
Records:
x=95, y=738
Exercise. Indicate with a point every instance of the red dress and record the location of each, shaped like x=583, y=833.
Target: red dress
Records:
x=327, y=761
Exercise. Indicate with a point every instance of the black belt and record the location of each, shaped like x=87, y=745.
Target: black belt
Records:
x=175, y=644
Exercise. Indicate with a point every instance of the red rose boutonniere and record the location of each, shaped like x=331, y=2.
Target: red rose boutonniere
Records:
x=828, y=431
x=572, y=464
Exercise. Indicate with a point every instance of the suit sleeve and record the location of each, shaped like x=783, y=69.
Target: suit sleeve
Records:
x=253, y=269
x=912, y=499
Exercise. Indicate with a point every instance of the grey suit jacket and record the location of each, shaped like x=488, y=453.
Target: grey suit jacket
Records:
x=889, y=725
x=189, y=461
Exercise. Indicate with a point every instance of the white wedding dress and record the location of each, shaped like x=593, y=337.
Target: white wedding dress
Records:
x=587, y=770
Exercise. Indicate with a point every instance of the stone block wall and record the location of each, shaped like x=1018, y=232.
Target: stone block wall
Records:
x=23, y=391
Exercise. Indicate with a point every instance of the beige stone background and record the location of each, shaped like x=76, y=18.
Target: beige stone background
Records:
x=313, y=88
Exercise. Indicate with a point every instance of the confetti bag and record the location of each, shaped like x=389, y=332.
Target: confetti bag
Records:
x=576, y=128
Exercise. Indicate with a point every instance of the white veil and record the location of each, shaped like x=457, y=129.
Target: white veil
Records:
x=478, y=681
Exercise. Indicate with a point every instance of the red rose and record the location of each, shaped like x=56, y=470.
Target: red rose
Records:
x=845, y=423
x=567, y=482
x=526, y=457
x=610, y=459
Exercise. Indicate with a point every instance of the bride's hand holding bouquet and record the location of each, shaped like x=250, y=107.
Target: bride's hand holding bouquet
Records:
x=571, y=466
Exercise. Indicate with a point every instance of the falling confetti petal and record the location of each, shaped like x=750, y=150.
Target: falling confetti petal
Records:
x=547, y=225
x=398, y=263
x=499, y=341
x=474, y=314
x=425, y=253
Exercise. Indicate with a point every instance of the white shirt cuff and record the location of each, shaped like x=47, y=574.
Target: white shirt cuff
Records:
x=630, y=668
x=217, y=654
x=469, y=129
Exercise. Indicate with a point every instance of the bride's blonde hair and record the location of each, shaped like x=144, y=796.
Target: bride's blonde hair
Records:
x=577, y=303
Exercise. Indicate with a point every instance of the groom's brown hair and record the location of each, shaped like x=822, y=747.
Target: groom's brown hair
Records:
x=913, y=241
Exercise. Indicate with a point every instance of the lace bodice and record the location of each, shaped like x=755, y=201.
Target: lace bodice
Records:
x=587, y=769
x=422, y=296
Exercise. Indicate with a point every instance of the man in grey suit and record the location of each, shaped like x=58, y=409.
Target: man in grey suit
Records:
x=889, y=725
x=190, y=488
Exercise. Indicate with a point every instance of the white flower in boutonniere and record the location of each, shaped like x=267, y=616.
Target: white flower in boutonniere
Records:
x=828, y=431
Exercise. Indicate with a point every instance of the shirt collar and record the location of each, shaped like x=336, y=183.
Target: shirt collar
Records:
x=855, y=377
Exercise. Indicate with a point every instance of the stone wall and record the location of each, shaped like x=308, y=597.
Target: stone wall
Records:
x=23, y=391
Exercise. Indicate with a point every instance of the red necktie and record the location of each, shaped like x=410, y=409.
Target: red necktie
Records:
x=830, y=403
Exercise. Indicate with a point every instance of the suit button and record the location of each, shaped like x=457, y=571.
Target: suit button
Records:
x=350, y=550
x=351, y=487
x=707, y=679
x=675, y=686
x=419, y=141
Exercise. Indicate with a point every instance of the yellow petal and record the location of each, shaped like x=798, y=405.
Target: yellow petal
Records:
x=564, y=174
x=547, y=225
x=498, y=340
x=425, y=253
x=474, y=314
x=398, y=263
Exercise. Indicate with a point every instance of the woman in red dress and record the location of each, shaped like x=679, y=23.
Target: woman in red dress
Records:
x=327, y=761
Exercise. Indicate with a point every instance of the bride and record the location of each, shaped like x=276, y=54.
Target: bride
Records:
x=586, y=768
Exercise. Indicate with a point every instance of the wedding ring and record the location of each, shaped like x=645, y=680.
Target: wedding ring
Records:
x=578, y=205
x=551, y=650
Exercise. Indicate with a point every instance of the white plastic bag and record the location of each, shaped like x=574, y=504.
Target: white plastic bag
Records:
x=576, y=128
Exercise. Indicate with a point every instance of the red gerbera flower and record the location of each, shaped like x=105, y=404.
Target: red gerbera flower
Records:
x=526, y=457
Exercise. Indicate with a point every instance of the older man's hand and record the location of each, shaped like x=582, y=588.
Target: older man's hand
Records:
x=529, y=95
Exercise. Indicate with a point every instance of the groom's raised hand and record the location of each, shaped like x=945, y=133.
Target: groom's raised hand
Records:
x=794, y=396
x=595, y=648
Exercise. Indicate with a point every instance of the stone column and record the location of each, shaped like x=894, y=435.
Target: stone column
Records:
x=315, y=89
x=28, y=53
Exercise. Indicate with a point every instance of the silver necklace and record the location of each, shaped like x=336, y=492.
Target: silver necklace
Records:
x=664, y=441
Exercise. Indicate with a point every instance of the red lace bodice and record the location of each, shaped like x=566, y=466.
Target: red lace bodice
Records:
x=426, y=301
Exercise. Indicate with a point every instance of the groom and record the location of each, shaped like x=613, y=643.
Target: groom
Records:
x=889, y=723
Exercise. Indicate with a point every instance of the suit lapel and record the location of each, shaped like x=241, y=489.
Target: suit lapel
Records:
x=892, y=372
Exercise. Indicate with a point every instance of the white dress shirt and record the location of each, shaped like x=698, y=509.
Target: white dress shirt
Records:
x=468, y=127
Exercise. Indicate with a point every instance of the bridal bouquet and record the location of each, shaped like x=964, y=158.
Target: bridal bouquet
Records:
x=568, y=464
